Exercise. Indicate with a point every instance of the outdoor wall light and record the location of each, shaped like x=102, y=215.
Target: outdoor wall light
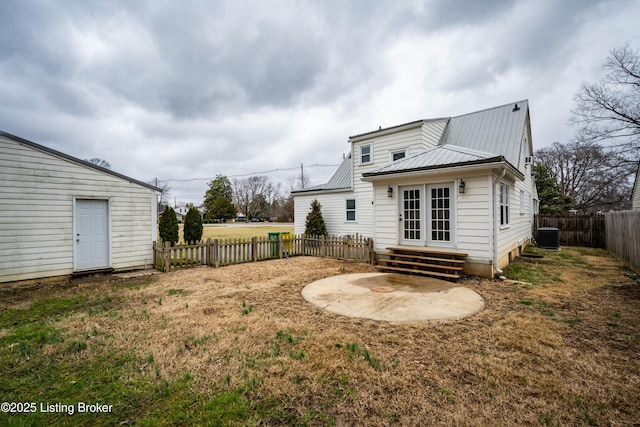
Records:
x=390, y=192
x=461, y=187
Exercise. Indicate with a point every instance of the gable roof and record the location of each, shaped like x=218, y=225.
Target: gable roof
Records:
x=494, y=130
x=486, y=136
x=80, y=162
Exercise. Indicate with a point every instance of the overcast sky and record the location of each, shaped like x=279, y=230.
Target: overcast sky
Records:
x=185, y=90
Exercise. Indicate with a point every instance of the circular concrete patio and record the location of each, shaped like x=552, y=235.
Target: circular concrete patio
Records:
x=393, y=297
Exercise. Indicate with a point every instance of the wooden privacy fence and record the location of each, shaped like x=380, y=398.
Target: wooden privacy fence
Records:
x=219, y=252
x=575, y=230
x=623, y=236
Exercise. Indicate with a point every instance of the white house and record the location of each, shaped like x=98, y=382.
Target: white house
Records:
x=455, y=184
x=61, y=215
x=635, y=195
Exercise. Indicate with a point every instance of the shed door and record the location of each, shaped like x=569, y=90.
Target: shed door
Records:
x=92, y=234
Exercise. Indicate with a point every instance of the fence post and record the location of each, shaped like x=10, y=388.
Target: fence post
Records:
x=167, y=256
x=216, y=254
x=280, y=245
x=254, y=249
x=371, y=255
x=322, y=251
x=302, y=243
x=154, y=255
x=345, y=248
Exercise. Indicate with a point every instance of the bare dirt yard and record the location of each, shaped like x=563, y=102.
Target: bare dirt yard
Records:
x=239, y=346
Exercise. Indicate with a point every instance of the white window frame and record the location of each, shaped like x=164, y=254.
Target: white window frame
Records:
x=392, y=153
x=354, y=210
x=522, y=203
x=370, y=154
x=504, y=205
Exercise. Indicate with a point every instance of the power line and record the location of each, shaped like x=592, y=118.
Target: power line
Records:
x=247, y=174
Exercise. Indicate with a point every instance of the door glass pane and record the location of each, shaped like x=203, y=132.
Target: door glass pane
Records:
x=411, y=214
x=440, y=214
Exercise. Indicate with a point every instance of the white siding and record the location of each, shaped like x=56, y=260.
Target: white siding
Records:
x=334, y=213
x=635, y=198
x=471, y=223
x=519, y=230
x=37, y=191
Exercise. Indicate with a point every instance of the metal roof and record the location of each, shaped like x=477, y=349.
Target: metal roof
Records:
x=494, y=130
x=486, y=136
x=440, y=157
x=340, y=180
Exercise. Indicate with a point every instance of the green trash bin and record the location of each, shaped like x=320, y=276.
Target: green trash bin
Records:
x=273, y=238
x=286, y=239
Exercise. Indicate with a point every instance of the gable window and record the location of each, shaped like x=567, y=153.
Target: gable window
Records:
x=365, y=154
x=351, y=209
x=397, y=155
x=504, y=204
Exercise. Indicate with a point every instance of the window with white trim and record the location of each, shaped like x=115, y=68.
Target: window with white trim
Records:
x=365, y=154
x=398, y=154
x=504, y=204
x=351, y=209
x=522, y=200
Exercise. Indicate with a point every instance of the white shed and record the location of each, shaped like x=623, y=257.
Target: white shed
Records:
x=61, y=215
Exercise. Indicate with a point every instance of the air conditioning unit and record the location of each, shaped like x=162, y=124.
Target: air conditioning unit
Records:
x=528, y=160
x=548, y=238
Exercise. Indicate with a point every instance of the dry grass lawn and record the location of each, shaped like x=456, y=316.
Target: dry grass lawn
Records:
x=242, y=231
x=561, y=351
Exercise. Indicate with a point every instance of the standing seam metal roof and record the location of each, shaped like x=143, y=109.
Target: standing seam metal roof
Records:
x=482, y=136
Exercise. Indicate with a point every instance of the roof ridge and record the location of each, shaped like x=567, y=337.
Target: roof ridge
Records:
x=492, y=108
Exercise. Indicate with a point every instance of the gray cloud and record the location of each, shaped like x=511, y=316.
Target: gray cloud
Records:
x=197, y=88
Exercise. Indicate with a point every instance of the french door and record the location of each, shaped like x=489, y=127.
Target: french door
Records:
x=426, y=215
x=440, y=212
x=411, y=215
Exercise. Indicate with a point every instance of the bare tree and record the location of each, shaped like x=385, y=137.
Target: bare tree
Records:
x=609, y=110
x=594, y=178
x=99, y=162
x=253, y=195
x=164, y=195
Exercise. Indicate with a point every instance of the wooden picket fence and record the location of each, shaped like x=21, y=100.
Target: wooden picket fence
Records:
x=220, y=252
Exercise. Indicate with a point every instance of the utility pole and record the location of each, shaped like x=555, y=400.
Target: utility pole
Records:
x=302, y=175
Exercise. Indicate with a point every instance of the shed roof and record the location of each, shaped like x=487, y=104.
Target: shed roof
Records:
x=75, y=160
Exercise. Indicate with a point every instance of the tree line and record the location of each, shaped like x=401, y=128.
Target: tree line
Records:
x=594, y=171
x=255, y=197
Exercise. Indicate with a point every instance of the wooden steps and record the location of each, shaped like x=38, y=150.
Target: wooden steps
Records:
x=422, y=261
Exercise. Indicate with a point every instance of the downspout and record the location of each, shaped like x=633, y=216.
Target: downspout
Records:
x=495, y=225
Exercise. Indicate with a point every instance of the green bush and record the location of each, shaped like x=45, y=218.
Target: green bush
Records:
x=169, y=230
x=193, y=226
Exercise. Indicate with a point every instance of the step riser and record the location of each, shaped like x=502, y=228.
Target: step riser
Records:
x=423, y=261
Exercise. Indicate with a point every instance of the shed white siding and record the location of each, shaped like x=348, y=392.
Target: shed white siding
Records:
x=37, y=192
